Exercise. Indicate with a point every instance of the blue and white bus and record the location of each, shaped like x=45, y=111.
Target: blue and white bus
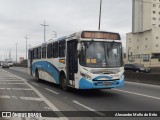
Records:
x=83, y=60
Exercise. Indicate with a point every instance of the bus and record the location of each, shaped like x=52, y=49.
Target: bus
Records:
x=83, y=60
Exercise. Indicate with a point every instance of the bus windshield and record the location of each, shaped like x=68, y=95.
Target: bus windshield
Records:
x=101, y=54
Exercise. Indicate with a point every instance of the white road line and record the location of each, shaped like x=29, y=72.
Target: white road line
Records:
x=11, y=77
x=144, y=84
x=83, y=105
x=13, y=83
x=10, y=80
x=137, y=94
x=43, y=98
x=14, y=97
x=4, y=96
x=31, y=98
x=52, y=91
x=15, y=89
x=88, y=108
x=23, y=98
x=35, y=84
x=19, y=69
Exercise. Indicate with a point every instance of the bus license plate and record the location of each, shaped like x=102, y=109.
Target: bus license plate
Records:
x=109, y=83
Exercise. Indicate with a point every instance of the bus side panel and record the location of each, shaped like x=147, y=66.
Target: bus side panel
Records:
x=47, y=71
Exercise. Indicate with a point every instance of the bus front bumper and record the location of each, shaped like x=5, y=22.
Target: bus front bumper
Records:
x=89, y=84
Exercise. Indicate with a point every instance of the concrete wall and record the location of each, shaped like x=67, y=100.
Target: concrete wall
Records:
x=148, y=78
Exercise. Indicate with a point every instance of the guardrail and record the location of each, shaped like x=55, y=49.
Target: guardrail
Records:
x=20, y=65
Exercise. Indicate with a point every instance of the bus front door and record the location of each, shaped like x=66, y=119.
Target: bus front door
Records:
x=72, y=60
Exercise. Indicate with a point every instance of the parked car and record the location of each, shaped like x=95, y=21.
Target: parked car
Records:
x=136, y=67
x=5, y=65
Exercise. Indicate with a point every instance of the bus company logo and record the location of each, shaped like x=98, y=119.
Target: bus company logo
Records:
x=6, y=114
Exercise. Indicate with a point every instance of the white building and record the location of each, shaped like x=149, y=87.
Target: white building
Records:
x=143, y=42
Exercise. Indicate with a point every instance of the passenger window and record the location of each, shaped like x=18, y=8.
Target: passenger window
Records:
x=49, y=51
x=55, y=50
x=62, y=45
x=44, y=52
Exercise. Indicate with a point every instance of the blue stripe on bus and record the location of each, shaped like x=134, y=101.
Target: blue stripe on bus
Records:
x=47, y=67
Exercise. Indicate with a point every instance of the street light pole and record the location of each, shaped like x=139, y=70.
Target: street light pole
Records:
x=16, y=52
x=99, y=27
x=44, y=25
x=26, y=45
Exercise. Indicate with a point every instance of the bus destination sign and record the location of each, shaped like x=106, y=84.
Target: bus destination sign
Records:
x=100, y=35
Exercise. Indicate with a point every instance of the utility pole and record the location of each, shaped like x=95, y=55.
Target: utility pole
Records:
x=16, y=52
x=9, y=54
x=26, y=37
x=99, y=27
x=44, y=25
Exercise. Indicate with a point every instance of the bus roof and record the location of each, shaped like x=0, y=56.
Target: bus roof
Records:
x=87, y=34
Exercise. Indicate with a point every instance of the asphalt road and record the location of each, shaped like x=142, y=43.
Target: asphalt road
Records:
x=20, y=92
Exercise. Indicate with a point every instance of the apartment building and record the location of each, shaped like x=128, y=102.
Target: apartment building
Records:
x=143, y=43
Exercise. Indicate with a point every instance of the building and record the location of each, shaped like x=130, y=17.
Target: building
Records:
x=143, y=43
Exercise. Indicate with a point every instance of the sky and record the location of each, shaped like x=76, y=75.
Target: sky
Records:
x=19, y=18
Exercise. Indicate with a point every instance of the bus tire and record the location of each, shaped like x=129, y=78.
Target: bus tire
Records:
x=63, y=84
x=37, y=76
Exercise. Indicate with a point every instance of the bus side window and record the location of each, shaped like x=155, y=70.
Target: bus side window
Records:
x=39, y=53
x=62, y=45
x=44, y=52
x=35, y=53
x=55, y=50
x=49, y=50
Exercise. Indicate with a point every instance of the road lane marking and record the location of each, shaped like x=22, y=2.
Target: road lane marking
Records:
x=137, y=94
x=34, y=84
x=20, y=69
x=52, y=91
x=14, y=97
x=10, y=80
x=88, y=108
x=12, y=83
x=22, y=98
x=4, y=96
x=31, y=98
x=15, y=89
x=54, y=108
x=83, y=105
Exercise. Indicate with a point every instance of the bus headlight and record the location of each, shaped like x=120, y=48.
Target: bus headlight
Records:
x=88, y=77
x=85, y=76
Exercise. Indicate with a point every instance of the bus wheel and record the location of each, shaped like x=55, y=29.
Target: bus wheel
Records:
x=64, y=84
x=37, y=76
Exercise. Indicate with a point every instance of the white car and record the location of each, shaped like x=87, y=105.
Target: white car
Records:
x=5, y=65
